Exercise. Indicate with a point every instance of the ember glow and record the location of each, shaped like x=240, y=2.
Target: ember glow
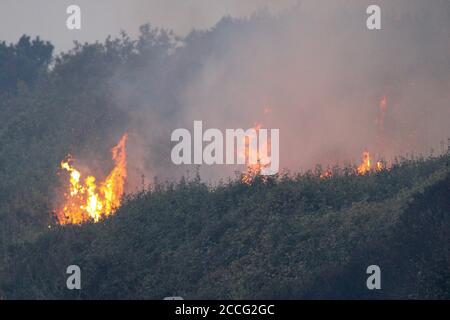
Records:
x=89, y=200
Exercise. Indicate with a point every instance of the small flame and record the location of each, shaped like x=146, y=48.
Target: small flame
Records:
x=380, y=166
x=86, y=200
x=365, y=167
x=327, y=174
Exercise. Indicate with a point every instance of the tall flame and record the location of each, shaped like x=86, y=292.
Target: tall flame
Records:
x=91, y=201
x=365, y=166
x=255, y=150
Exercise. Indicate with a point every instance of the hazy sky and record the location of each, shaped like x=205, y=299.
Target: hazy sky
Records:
x=101, y=18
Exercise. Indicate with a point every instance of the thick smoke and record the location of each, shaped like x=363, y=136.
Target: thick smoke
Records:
x=320, y=72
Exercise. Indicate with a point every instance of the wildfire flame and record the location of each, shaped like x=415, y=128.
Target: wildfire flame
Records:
x=365, y=166
x=261, y=152
x=90, y=201
x=380, y=166
x=327, y=174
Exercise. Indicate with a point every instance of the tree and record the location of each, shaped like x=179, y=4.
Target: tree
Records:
x=24, y=61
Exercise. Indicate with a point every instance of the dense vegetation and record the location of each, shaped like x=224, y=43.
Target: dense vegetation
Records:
x=66, y=107
x=292, y=236
x=288, y=237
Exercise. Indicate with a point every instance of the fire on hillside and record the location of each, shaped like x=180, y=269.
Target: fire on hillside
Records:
x=89, y=200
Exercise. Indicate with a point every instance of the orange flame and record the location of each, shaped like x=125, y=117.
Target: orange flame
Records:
x=261, y=153
x=380, y=166
x=91, y=201
x=365, y=166
x=327, y=174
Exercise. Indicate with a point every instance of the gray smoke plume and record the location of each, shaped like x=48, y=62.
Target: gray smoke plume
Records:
x=315, y=72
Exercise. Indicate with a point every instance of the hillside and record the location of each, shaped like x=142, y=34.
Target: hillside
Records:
x=291, y=237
